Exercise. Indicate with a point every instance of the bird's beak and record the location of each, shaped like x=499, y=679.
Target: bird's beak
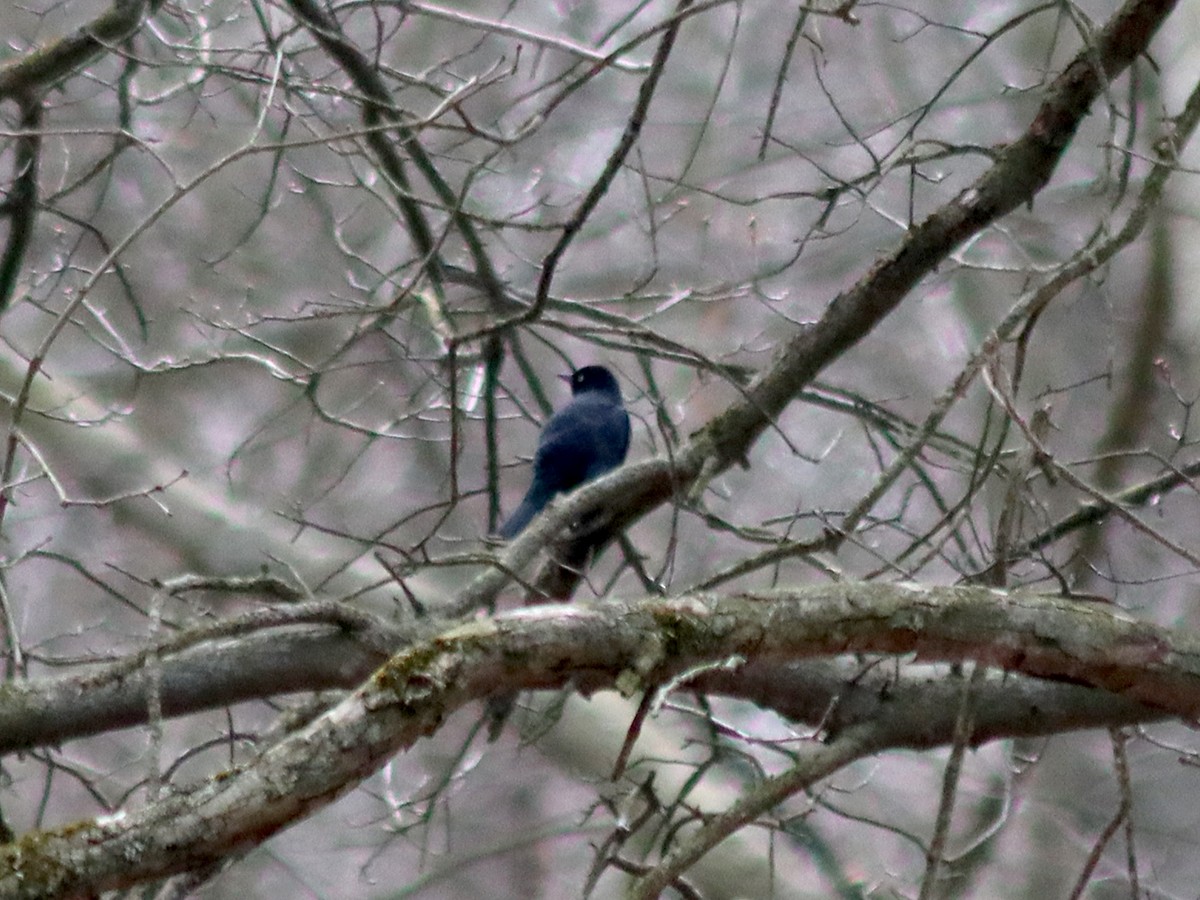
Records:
x=566, y=378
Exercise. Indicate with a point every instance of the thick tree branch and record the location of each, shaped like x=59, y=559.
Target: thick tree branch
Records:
x=42, y=68
x=263, y=655
x=593, y=646
x=214, y=673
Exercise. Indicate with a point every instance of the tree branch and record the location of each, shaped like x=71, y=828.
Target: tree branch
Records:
x=1019, y=173
x=43, y=67
x=592, y=646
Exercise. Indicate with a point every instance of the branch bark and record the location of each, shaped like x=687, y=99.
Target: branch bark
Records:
x=44, y=67
x=646, y=643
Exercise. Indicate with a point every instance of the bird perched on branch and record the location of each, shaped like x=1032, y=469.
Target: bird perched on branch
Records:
x=583, y=440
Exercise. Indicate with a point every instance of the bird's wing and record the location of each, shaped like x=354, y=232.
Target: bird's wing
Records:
x=611, y=440
x=566, y=450
x=584, y=439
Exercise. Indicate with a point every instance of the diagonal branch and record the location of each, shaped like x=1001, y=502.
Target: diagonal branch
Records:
x=47, y=65
x=1019, y=173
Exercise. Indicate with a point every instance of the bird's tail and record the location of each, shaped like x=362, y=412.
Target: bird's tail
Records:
x=522, y=516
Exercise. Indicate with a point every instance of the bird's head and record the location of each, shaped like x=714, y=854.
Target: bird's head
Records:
x=593, y=378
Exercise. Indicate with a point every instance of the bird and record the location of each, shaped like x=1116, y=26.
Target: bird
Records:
x=583, y=440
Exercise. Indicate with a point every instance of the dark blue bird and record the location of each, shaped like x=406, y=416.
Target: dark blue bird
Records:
x=583, y=440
